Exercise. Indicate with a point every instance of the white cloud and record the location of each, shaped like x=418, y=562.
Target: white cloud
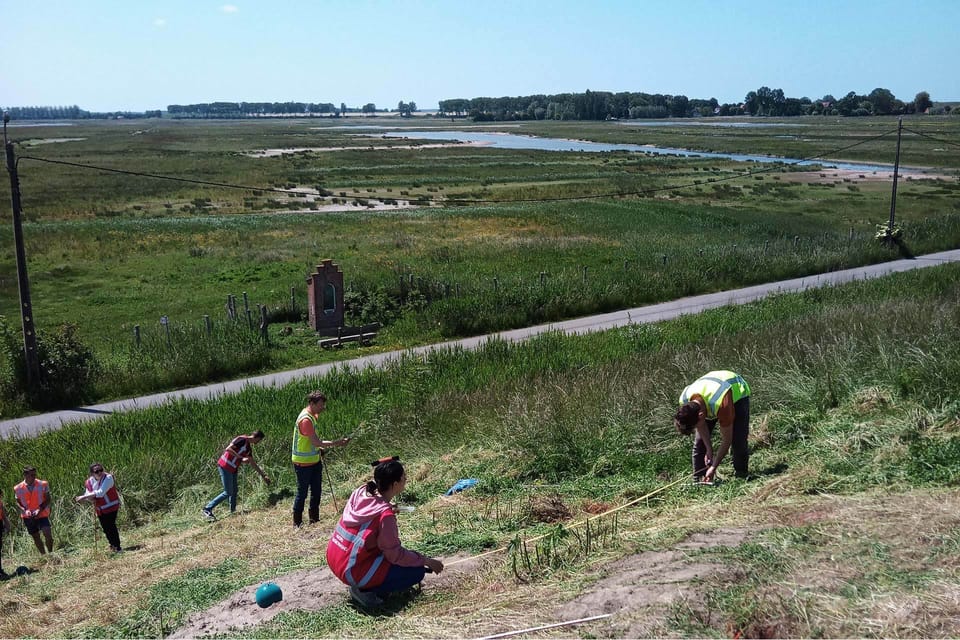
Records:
x=229, y=8
x=160, y=23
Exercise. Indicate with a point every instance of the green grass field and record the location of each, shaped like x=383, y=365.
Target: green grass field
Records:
x=109, y=251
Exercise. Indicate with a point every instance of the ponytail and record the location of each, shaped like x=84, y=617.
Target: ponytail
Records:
x=386, y=471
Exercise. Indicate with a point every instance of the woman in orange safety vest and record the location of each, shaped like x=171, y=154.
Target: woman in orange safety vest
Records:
x=102, y=491
x=238, y=452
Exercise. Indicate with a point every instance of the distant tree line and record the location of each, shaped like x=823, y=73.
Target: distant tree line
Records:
x=879, y=102
x=251, y=109
x=73, y=113
x=604, y=105
x=591, y=105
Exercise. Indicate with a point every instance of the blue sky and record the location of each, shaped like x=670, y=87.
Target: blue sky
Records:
x=106, y=55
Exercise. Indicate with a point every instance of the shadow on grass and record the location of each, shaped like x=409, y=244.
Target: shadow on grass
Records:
x=903, y=249
x=20, y=571
x=393, y=603
x=772, y=470
x=277, y=496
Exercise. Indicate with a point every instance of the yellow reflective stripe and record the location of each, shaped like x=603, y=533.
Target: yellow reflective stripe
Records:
x=303, y=450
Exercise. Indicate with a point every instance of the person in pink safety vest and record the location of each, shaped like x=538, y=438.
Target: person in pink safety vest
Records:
x=101, y=490
x=238, y=452
x=365, y=551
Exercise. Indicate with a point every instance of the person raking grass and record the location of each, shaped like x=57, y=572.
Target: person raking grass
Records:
x=33, y=499
x=239, y=451
x=307, y=457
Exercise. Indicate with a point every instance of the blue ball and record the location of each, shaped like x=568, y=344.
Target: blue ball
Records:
x=268, y=593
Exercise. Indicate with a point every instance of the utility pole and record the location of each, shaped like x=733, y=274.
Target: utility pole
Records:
x=31, y=357
x=893, y=197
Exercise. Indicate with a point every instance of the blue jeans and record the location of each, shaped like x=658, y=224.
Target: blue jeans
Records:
x=229, y=491
x=308, y=479
x=400, y=578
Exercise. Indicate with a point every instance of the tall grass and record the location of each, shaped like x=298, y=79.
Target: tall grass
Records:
x=185, y=355
x=592, y=409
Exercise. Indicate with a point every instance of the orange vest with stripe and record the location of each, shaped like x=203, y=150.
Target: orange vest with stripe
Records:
x=353, y=554
x=230, y=459
x=110, y=501
x=32, y=498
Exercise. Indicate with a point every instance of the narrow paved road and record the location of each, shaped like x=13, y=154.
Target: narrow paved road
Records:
x=32, y=425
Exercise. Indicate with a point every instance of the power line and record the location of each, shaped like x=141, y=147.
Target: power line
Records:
x=140, y=174
x=454, y=200
x=929, y=137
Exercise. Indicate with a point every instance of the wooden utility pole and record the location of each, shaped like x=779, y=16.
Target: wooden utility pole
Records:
x=30, y=354
x=896, y=169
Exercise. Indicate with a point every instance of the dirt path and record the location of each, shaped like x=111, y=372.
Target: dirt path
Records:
x=637, y=589
x=640, y=589
x=305, y=590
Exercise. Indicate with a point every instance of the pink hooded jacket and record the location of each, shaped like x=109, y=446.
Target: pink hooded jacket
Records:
x=361, y=508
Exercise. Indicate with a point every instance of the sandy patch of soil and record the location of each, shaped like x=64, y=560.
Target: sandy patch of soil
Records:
x=306, y=590
x=854, y=176
x=310, y=590
x=36, y=141
x=640, y=589
x=273, y=153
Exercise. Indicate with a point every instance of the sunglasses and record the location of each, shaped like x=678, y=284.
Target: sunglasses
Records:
x=98, y=470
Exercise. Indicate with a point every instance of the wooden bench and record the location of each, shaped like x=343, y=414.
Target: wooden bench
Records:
x=364, y=335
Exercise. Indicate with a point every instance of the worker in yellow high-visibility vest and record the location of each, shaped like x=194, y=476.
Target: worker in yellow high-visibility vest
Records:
x=306, y=457
x=717, y=397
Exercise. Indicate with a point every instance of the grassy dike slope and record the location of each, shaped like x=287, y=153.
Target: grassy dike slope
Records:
x=850, y=527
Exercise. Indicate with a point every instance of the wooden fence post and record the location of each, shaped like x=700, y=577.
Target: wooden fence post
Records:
x=264, y=323
x=165, y=321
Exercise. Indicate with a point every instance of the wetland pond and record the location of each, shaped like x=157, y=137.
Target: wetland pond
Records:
x=514, y=141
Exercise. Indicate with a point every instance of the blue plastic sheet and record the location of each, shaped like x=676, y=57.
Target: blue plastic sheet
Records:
x=465, y=483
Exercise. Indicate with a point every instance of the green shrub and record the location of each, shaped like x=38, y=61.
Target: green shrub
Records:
x=12, y=399
x=68, y=369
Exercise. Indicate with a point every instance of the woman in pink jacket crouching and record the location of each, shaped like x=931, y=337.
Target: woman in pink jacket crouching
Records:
x=365, y=550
